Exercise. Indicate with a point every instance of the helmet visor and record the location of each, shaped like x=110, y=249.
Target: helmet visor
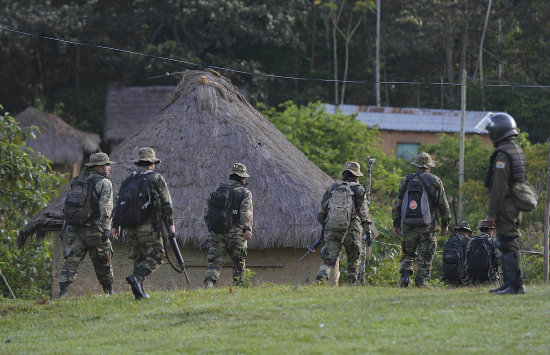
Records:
x=484, y=124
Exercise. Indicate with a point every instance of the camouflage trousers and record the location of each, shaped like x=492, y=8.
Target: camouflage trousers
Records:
x=423, y=241
x=81, y=240
x=221, y=245
x=331, y=250
x=146, y=249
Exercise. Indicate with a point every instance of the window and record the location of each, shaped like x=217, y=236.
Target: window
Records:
x=407, y=151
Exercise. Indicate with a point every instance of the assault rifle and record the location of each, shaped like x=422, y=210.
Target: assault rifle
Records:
x=204, y=244
x=174, y=243
x=368, y=235
x=165, y=228
x=311, y=249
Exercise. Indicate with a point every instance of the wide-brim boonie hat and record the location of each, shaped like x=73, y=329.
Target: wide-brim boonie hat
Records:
x=424, y=160
x=240, y=170
x=146, y=154
x=464, y=226
x=99, y=159
x=483, y=224
x=353, y=167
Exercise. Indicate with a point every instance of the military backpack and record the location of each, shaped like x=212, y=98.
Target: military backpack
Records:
x=223, y=208
x=416, y=204
x=134, y=202
x=81, y=204
x=340, y=207
x=453, y=260
x=480, y=260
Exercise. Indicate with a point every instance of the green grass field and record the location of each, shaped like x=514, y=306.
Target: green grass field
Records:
x=283, y=319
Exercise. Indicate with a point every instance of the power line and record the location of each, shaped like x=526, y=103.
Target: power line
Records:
x=274, y=76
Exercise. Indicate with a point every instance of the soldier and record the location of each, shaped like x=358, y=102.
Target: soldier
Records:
x=146, y=246
x=507, y=166
x=229, y=217
x=454, y=252
x=420, y=198
x=339, y=229
x=482, y=265
x=93, y=233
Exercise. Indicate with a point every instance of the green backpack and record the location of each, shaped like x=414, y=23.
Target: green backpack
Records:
x=524, y=196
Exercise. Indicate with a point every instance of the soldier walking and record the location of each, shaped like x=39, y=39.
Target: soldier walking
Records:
x=145, y=238
x=344, y=215
x=229, y=217
x=507, y=166
x=87, y=216
x=420, y=199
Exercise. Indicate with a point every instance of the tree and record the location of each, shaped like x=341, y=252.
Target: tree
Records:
x=26, y=185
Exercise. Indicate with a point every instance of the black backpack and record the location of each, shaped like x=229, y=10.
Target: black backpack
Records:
x=81, y=203
x=479, y=257
x=221, y=210
x=415, y=207
x=134, y=203
x=453, y=260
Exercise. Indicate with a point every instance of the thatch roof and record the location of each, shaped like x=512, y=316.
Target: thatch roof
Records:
x=128, y=108
x=60, y=142
x=198, y=135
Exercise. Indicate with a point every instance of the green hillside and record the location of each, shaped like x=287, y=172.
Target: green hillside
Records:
x=283, y=319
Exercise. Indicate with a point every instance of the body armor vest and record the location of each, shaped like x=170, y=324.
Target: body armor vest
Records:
x=517, y=162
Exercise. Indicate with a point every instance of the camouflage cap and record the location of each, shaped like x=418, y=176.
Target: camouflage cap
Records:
x=483, y=224
x=240, y=170
x=353, y=167
x=464, y=226
x=146, y=154
x=424, y=160
x=99, y=159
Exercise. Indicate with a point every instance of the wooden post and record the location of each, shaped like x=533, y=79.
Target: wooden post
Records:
x=461, y=157
x=7, y=284
x=546, y=222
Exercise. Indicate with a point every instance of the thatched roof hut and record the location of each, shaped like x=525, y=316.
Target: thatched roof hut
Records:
x=63, y=144
x=203, y=129
x=128, y=108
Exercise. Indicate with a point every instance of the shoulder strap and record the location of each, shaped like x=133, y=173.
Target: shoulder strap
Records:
x=422, y=180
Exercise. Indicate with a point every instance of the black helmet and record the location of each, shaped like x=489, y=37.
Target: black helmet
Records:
x=499, y=125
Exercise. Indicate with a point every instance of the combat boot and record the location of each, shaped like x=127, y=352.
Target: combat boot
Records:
x=512, y=272
x=505, y=281
x=108, y=289
x=135, y=283
x=405, y=278
x=145, y=294
x=63, y=288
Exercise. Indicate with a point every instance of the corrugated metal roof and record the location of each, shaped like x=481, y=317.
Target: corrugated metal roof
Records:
x=412, y=119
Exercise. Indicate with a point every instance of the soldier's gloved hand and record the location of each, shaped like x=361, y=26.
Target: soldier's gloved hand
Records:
x=247, y=234
x=106, y=235
x=368, y=234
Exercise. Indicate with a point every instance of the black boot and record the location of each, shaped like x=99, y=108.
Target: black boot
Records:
x=405, y=278
x=135, y=283
x=505, y=276
x=510, y=269
x=145, y=295
x=63, y=288
x=107, y=289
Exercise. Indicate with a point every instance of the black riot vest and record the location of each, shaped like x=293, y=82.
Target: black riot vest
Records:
x=517, y=162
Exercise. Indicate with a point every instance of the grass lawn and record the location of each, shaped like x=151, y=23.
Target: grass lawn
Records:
x=283, y=319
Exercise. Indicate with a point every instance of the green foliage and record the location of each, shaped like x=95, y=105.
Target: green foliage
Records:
x=26, y=185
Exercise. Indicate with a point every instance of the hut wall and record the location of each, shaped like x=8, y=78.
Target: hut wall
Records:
x=277, y=265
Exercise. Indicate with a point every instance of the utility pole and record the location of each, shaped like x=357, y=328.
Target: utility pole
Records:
x=546, y=221
x=378, y=101
x=461, y=157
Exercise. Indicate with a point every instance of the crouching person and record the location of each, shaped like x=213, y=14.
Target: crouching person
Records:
x=87, y=214
x=229, y=217
x=142, y=204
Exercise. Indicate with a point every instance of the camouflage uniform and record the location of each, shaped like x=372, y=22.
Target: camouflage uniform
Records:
x=231, y=243
x=93, y=237
x=351, y=239
x=146, y=247
x=421, y=239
